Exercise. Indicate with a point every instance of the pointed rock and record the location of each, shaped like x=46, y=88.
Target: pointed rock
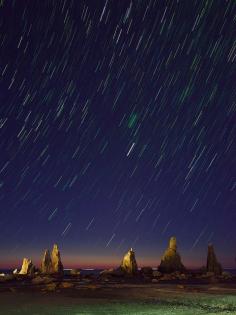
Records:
x=171, y=260
x=212, y=264
x=57, y=266
x=129, y=264
x=27, y=267
x=46, y=265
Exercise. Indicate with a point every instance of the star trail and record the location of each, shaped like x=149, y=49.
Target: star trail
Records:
x=117, y=129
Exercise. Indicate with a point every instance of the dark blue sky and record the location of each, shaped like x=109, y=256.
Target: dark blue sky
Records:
x=117, y=129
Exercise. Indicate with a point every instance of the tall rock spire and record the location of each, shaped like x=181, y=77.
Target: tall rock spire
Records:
x=57, y=266
x=129, y=264
x=171, y=260
x=46, y=265
x=212, y=264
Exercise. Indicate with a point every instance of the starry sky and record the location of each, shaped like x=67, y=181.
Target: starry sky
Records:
x=117, y=129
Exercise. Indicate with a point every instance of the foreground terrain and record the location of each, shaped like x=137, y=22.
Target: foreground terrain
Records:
x=118, y=299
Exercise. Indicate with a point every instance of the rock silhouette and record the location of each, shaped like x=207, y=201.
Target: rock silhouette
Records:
x=57, y=266
x=46, y=265
x=129, y=264
x=171, y=260
x=27, y=267
x=212, y=264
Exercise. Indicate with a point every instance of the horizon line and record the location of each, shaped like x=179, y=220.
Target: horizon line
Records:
x=109, y=266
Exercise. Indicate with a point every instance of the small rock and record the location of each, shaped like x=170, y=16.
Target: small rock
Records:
x=183, y=276
x=92, y=286
x=66, y=285
x=157, y=274
x=166, y=277
x=51, y=287
x=75, y=272
x=154, y=281
x=226, y=275
x=210, y=274
x=5, y=277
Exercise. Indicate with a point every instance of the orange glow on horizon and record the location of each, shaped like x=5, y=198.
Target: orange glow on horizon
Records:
x=86, y=263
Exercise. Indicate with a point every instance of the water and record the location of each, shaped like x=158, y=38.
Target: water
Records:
x=97, y=271
x=85, y=272
x=66, y=271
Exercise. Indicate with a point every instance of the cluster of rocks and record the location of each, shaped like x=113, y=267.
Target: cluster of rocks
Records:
x=50, y=276
x=51, y=264
x=170, y=268
x=171, y=262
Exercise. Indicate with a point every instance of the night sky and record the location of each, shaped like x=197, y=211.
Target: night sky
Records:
x=117, y=129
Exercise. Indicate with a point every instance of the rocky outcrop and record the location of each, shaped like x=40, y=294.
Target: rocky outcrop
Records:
x=129, y=264
x=46, y=265
x=212, y=264
x=27, y=267
x=171, y=260
x=57, y=266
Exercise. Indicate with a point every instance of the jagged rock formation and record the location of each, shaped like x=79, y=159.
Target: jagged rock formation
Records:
x=129, y=264
x=27, y=267
x=212, y=264
x=57, y=266
x=46, y=265
x=171, y=260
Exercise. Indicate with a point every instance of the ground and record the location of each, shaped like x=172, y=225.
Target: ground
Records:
x=123, y=299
